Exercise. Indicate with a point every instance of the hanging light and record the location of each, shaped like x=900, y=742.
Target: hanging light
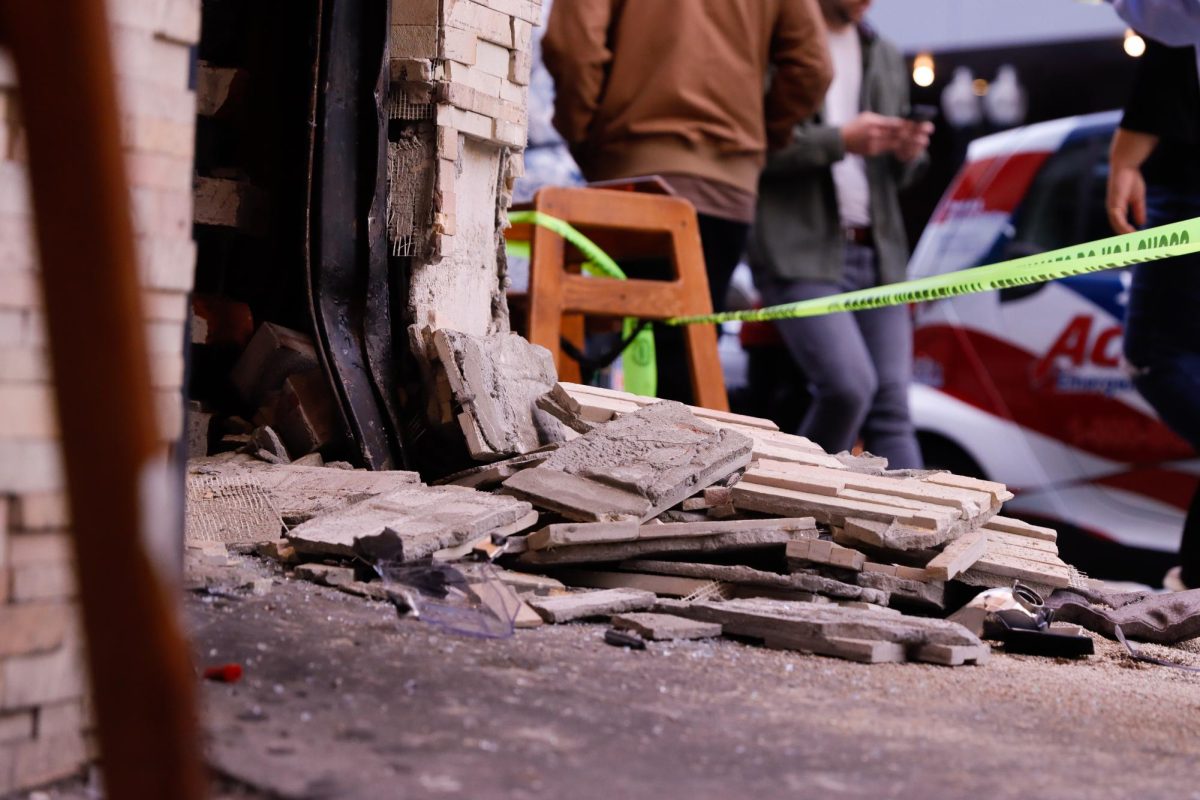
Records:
x=923, y=73
x=1135, y=45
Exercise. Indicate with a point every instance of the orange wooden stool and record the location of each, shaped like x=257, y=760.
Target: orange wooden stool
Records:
x=626, y=225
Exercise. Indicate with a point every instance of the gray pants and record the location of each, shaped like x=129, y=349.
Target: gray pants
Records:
x=858, y=364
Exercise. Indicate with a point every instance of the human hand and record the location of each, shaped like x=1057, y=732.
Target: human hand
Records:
x=1126, y=192
x=912, y=139
x=870, y=134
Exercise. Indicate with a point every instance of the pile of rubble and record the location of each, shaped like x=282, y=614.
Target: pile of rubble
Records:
x=680, y=521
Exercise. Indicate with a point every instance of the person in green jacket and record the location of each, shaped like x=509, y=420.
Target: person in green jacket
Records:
x=828, y=221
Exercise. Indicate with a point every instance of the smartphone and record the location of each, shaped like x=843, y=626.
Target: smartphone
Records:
x=922, y=113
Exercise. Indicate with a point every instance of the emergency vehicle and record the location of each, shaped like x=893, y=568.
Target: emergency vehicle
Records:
x=1028, y=386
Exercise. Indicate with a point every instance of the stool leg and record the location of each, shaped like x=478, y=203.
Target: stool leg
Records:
x=546, y=293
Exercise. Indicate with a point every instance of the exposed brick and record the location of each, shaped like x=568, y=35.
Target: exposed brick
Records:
x=44, y=678
x=413, y=41
x=461, y=46
x=37, y=511
x=61, y=718
x=16, y=726
x=31, y=628
x=492, y=59
x=43, y=582
x=488, y=24
x=45, y=760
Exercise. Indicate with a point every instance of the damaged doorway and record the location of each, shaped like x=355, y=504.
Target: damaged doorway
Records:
x=302, y=272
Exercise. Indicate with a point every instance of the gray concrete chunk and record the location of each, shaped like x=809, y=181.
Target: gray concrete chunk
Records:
x=636, y=466
x=497, y=381
x=408, y=524
x=567, y=607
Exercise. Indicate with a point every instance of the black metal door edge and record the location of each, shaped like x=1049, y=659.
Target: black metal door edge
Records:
x=344, y=215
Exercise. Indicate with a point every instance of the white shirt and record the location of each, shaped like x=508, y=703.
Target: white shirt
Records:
x=841, y=106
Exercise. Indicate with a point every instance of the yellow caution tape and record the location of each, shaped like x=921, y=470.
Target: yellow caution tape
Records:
x=1152, y=244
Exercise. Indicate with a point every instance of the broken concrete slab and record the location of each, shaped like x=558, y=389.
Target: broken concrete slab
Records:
x=408, y=524
x=888, y=535
x=583, y=605
x=842, y=632
x=666, y=627
x=902, y=590
x=576, y=534
x=497, y=380
x=755, y=538
x=489, y=476
x=634, y=467
x=305, y=414
x=748, y=576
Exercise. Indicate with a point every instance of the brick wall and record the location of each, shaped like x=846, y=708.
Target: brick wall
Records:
x=43, y=711
x=471, y=60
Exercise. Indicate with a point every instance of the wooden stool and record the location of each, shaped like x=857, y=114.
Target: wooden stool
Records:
x=626, y=225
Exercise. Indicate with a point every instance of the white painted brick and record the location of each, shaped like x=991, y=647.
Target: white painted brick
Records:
x=44, y=678
x=489, y=25
x=19, y=290
x=27, y=411
x=141, y=55
x=520, y=67
x=60, y=718
x=40, y=511
x=45, y=760
x=461, y=46
x=48, y=581
x=492, y=59
x=16, y=726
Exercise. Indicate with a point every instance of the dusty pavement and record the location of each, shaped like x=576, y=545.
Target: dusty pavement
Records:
x=343, y=699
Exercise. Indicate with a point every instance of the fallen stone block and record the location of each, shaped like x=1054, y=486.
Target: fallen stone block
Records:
x=734, y=540
x=856, y=634
x=923, y=593
x=634, y=467
x=305, y=413
x=584, y=605
x=666, y=627
x=408, y=524
x=274, y=353
x=497, y=380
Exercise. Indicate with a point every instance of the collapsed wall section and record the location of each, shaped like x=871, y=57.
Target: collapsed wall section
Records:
x=459, y=82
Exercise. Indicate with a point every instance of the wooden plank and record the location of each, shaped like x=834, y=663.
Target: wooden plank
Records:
x=958, y=556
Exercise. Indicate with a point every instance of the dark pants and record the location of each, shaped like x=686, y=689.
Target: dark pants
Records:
x=723, y=242
x=1162, y=345
x=858, y=364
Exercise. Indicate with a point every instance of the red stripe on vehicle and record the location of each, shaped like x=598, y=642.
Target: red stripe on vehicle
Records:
x=996, y=184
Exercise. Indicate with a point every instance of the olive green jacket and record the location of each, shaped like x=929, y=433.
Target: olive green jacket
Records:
x=798, y=232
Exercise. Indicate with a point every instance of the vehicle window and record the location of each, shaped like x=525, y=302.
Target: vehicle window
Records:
x=1056, y=211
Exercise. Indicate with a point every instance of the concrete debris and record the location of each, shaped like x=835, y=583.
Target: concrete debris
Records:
x=855, y=634
x=741, y=576
x=584, y=605
x=408, y=524
x=634, y=467
x=496, y=380
x=666, y=627
x=274, y=353
x=756, y=531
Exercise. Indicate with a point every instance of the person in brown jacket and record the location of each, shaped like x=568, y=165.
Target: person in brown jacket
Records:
x=679, y=88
